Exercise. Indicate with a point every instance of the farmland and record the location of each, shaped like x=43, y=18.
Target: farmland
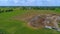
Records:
x=13, y=22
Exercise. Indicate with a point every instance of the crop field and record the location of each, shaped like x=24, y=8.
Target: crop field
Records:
x=15, y=22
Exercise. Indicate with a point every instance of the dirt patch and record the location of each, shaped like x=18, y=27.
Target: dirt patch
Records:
x=30, y=14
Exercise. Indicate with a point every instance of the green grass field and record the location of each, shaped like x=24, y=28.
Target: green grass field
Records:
x=9, y=25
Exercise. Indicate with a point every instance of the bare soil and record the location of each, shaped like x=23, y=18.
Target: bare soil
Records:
x=30, y=14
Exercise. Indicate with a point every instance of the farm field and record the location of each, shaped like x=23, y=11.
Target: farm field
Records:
x=14, y=22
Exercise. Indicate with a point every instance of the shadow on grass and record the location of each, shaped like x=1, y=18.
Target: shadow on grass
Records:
x=2, y=31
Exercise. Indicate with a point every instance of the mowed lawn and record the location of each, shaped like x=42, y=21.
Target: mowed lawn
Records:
x=8, y=25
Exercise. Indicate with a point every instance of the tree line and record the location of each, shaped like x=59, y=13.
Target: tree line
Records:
x=28, y=8
x=38, y=8
x=8, y=10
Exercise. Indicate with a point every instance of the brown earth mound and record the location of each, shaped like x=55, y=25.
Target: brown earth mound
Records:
x=28, y=16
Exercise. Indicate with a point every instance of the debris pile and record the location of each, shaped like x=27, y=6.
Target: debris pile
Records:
x=45, y=21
